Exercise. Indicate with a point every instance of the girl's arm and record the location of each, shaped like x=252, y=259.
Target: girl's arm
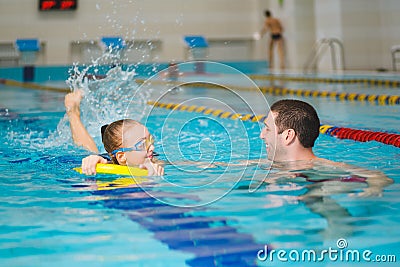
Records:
x=79, y=133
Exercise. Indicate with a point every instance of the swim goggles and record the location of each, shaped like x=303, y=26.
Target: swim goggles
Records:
x=142, y=145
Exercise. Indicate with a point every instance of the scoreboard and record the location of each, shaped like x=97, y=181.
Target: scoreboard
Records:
x=45, y=5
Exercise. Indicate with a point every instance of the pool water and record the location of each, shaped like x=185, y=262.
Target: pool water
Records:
x=198, y=214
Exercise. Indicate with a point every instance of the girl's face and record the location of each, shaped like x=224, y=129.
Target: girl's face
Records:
x=138, y=138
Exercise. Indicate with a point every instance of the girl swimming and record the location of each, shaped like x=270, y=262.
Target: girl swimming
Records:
x=127, y=142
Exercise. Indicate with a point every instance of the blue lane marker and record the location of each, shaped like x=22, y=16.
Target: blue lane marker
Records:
x=212, y=241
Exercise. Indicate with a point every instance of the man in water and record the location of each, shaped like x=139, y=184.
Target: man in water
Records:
x=274, y=26
x=289, y=133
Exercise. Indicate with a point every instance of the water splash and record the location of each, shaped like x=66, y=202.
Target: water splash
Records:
x=107, y=98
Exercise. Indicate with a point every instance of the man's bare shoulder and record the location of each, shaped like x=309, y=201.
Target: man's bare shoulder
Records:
x=328, y=162
x=348, y=167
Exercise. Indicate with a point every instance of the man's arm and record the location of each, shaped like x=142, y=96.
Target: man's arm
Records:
x=265, y=28
x=79, y=133
x=376, y=180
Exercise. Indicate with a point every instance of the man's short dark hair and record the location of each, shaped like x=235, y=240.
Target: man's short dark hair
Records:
x=299, y=116
x=267, y=13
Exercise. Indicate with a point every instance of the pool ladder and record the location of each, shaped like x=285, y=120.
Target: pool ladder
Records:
x=395, y=49
x=319, y=49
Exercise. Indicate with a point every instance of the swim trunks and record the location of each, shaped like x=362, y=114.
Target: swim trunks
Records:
x=349, y=179
x=276, y=36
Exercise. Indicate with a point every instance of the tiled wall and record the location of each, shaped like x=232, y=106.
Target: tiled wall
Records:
x=368, y=28
x=166, y=20
x=390, y=27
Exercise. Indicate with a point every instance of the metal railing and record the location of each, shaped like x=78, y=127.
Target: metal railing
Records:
x=320, y=48
x=9, y=55
x=395, y=49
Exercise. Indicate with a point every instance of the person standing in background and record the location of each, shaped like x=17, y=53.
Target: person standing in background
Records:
x=274, y=26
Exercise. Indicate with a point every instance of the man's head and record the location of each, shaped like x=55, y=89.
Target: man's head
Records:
x=299, y=116
x=290, y=123
x=267, y=13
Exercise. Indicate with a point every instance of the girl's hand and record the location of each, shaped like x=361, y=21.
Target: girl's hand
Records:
x=72, y=101
x=154, y=169
x=89, y=164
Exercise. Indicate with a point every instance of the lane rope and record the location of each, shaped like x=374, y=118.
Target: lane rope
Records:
x=339, y=132
x=374, y=82
x=340, y=96
x=34, y=86
x=334, y=131
x=332, y=95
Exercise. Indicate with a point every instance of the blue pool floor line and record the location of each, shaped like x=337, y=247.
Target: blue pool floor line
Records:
x=230, y=248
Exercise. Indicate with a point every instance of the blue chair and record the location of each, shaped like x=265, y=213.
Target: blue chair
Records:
x=197, y=48
x=29, y=50
x=115, y=43
x=195, y=41
x=24, y=45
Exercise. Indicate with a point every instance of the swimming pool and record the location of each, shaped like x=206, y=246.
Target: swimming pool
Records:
x=194, y=216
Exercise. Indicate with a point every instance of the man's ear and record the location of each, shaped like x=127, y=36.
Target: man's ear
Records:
x=289, y=136
x=121, y=158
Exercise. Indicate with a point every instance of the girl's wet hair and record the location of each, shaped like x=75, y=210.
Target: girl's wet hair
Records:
x=111, y=135
x=103, y=129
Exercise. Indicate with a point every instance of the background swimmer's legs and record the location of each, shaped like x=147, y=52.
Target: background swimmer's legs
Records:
x=271, y=54
x=281, y=53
